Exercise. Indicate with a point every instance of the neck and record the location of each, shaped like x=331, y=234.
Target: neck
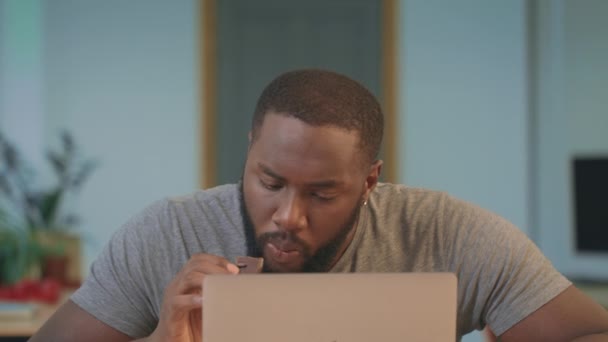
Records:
x=347, y=241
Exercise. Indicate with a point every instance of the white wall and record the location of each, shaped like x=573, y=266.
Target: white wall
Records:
x=22, y=113
x=464, y=102
x=123, y=76
x=464, y=123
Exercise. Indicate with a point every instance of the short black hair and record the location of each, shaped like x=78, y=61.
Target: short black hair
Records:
x=321, y=98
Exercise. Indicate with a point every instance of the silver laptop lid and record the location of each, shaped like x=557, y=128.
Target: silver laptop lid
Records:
x=345, y=307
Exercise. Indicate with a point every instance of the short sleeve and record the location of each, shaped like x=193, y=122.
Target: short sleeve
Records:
x=524, y=282
x=120, y=286
x=503, y=276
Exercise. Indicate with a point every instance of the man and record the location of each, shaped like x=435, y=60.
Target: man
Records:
x=310, y=200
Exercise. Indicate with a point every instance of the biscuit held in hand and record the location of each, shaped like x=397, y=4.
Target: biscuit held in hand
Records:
x=248, y=264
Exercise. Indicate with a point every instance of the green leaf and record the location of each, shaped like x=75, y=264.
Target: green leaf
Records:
x=68, y=142
x=83, y=173
x=50, y=205
x=58, y=163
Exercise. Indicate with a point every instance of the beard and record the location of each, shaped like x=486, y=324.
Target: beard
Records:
x=320, y=261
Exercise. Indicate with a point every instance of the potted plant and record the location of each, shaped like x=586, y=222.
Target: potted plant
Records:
x=17, y=252
x=42, y=212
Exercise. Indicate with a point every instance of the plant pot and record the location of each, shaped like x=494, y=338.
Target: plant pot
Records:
x=18, y=258
x=56, y=267
x=69, y=246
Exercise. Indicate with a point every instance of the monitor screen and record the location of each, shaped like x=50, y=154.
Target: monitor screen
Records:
x=591, y=204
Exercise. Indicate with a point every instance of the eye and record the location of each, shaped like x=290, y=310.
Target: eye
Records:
x=322, y=197
x=272, y=186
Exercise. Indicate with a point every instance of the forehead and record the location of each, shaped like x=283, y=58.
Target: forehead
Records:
x=291, y=147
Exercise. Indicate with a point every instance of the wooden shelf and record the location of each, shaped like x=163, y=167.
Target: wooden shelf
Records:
x=14, y=327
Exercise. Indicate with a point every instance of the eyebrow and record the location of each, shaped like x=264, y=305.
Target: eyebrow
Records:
x=329, y=183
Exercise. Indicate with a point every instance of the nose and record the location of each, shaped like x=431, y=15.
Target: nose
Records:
x=290, y=214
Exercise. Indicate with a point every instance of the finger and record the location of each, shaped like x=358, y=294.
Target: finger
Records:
x=181, y=305
x=192, y=280
x=233, y=269
x=190, y=283
x=210, y=266
x=214, y=259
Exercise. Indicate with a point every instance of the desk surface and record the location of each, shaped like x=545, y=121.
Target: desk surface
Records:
x=20, y=327
x=27, y=327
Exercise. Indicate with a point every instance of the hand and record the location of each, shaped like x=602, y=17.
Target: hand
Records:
x=181, y=314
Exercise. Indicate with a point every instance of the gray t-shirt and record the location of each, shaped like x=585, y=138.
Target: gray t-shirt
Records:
x=502, y=276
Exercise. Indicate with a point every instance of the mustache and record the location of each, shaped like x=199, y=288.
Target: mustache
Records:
x=277, y=237
x=283, y=238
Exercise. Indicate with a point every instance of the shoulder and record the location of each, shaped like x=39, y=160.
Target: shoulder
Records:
x=411, y=203
x=201, y=204
x=388, y=192
x=418, y=204
x=222, y=194
x=223, y=199
x=455, y=225
x=180, y=219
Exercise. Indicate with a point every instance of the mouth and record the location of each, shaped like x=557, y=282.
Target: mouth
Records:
x=283, y=253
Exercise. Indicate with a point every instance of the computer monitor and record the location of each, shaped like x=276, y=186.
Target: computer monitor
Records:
x=590, y=204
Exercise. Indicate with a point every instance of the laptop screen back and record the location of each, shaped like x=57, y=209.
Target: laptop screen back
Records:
x=353, y=307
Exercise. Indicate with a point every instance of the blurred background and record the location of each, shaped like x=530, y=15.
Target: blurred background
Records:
x=488, y=100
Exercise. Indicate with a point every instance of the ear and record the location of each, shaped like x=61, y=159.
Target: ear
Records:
x=372, y=179
x=249, y=137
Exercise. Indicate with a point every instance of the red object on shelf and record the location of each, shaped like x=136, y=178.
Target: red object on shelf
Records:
x=46, y=290
x=6, y=292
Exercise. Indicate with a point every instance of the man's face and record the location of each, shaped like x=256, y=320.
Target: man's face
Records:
x=303, y=187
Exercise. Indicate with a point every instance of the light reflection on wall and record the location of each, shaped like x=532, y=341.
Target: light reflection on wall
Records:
x=21, y=88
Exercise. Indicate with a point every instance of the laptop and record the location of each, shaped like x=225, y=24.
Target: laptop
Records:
x=330, y=307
